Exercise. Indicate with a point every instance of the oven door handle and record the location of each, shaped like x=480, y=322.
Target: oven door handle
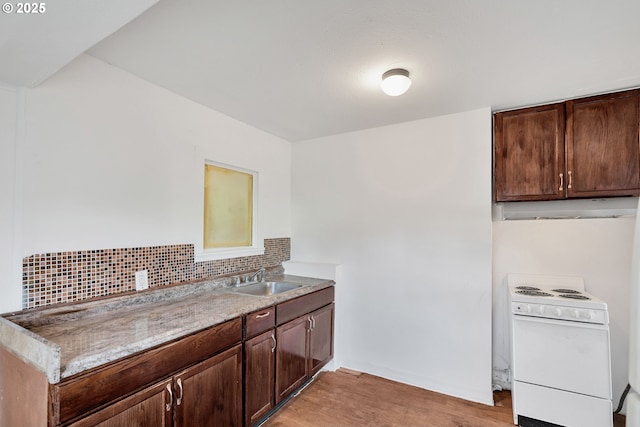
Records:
x=544, y=320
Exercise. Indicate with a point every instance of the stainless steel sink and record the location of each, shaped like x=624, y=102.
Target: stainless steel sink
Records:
x=266, y=289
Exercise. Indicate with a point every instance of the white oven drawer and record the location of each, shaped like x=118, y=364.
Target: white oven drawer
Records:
x=561, y=407
x=563, y=355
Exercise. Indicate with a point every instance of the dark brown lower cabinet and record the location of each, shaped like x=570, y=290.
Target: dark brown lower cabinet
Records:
x=194, y=381
x=259, y=376
x=209, y=394
x=305, y=344
x=205, y=395
x=291, y=358
x=321, y=338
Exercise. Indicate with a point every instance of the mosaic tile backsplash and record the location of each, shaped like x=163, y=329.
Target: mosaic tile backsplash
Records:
x=61, y=277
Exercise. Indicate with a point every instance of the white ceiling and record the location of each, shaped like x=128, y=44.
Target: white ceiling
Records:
x=302, y=69
x=35, y=46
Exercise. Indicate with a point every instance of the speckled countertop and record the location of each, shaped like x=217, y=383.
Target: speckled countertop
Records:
x=63, y=341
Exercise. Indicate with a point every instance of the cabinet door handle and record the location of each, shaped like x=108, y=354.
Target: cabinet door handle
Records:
x=561, y=182
x=170, y=404
x=179, y=399
x=273, y=349
x=260, y=316
x=313, y=323
x=309, y=320
x=570, y=183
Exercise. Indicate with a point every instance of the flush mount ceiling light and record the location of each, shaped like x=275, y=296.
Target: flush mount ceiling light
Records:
x=395, y=82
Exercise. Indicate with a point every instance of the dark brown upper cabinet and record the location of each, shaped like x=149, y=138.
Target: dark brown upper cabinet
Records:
x=603, y=145
x=529, y=154
x=588, y=147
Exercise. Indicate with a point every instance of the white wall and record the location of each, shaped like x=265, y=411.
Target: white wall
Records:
x=406, y=211
x=112, y=161
x=9, y=106
x=599, y=250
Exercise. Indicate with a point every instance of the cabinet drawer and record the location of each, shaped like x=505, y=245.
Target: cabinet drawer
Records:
x=259, y=321
x=305, y=304
x=146, y=407
x=103, y=385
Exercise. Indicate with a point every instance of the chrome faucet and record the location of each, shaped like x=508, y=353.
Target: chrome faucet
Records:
x=256, y=274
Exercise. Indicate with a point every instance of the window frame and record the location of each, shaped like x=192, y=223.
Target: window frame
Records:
x=256, y=247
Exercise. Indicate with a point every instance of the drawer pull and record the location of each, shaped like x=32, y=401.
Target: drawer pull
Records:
x=170, y=404
x=179, y=399
x=273, y=349
x=260, y=316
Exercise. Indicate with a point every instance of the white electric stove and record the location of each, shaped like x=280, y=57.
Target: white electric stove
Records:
x=560, y=353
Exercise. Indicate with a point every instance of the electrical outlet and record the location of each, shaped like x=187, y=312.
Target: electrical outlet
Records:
x=142, y=280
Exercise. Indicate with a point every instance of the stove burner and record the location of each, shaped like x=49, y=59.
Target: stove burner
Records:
x=574, y=296
x=527, y=288
x=566, y=291
x=536, y=293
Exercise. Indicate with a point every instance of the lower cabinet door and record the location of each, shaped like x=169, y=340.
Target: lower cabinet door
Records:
x=321, y=338
x=210, y=393
x=150, y=407
x=291, y=358
x=259, y=376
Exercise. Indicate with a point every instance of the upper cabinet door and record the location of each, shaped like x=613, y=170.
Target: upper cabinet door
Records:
x=603, y=145
x=529, y=154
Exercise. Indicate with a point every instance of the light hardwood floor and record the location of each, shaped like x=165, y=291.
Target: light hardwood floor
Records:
x=350, y=399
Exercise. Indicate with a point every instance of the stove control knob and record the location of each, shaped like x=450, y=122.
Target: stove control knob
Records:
x=591, y=315
x=541, y=309
x=529, y=309
x=558, y=312
x=576, y=314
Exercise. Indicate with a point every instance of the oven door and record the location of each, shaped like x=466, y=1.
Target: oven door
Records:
x=564, y=355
